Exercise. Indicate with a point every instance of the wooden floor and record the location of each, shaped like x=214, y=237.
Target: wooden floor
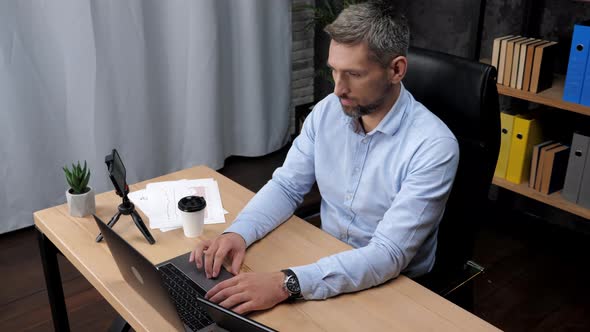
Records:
x=536, y=275
x=23, y=298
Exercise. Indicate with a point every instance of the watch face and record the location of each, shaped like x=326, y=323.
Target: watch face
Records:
x=293, y=285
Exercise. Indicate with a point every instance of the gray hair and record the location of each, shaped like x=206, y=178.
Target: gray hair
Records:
x=382, y=27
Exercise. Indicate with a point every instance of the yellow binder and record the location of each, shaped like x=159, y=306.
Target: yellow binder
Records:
x=526, y=133
x=507, y=123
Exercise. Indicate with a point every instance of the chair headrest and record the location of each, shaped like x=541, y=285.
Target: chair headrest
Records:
x=460, y=91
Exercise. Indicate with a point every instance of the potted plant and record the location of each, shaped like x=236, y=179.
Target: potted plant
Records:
x=80, y=196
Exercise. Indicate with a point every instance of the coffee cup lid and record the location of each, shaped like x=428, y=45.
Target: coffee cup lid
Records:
x=191, y=204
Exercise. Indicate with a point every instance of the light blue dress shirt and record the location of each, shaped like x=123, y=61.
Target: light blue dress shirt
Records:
x=383, y=192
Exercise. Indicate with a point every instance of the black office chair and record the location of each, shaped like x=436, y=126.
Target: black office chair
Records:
x=463, y=94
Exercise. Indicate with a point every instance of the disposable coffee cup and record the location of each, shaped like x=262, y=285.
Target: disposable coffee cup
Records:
x=192, y=214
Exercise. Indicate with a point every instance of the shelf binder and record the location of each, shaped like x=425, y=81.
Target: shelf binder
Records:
x=577, y=79
x=536, y=162
x=522, y=63
x=554, y=169
x=541, y=166
x=526, y=134
x=502, y=58
x=516, y=61
x=542, y=71
x=528, y=64
x=575, y=167
x=509, y=66
x=584, y=195
x=496, y=50
x=506, y=123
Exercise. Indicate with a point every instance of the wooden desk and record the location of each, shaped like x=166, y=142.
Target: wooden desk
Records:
x=398, y=305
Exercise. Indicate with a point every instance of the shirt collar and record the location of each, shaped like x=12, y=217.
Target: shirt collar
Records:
x=393, y=119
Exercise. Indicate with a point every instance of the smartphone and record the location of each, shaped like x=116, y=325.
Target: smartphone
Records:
x=117, y=173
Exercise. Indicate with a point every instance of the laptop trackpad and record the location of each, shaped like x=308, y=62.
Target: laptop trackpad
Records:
x=198, y=275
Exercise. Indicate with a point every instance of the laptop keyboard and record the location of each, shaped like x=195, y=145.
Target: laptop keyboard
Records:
x=183, y=292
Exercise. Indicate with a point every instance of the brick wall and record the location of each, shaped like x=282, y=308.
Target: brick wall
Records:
x=302, y=72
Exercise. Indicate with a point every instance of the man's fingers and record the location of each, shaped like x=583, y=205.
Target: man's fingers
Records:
x=247, y=292
x=226, y=293
x=209, y=258
x=197, y=254
x=203, y=245
x=219, y=257
x=221, y=286
x=192, y=256
x=237, y=261
x=244, y=308
x=233, y=300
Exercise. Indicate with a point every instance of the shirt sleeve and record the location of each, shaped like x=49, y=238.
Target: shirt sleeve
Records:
x=278, y=198
x=413, y=215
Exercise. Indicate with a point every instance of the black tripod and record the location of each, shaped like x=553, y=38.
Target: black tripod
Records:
x=127, y=208
x=117, y=174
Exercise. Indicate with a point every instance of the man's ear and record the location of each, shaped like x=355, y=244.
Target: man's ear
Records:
x=397, y=69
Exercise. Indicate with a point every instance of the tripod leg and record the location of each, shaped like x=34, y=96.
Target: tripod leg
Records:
x=111, y=223
x=144, y=230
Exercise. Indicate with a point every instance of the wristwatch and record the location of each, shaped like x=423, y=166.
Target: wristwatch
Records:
x=291, y=285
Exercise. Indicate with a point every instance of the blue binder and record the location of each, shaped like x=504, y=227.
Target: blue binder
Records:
x=577, y=80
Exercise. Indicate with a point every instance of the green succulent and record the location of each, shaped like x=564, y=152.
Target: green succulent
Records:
x=77, y=177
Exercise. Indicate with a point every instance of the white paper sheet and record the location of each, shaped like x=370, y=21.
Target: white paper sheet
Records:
x=159, y=201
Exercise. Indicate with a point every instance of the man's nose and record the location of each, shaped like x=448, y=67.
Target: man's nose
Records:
x=340, y=86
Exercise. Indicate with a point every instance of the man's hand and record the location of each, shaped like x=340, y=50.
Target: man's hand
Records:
x=230, y=245
x=250, y=291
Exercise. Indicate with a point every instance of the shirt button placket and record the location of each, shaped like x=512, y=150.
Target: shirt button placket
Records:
x=355, y=179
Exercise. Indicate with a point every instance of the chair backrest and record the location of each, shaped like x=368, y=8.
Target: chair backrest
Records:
x=463, y=94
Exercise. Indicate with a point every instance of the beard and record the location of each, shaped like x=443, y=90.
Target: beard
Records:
x=356, y=112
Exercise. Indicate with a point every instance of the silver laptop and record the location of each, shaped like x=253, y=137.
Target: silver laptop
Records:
x=177, y=287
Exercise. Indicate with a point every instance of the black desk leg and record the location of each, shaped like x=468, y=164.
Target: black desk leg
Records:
x=55, y=290
x=119, y=325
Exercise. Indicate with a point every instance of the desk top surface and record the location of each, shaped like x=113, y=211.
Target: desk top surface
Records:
x=398, y=305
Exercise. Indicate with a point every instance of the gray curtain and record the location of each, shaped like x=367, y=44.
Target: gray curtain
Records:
x=170, y=84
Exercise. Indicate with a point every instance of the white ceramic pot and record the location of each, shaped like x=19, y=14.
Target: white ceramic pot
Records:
x=81, y=205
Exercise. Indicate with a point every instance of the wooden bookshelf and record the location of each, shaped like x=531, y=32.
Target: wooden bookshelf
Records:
x=554, y=199
x=550, y=97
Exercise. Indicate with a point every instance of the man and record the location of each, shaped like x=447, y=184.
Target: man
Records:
x=384, y=166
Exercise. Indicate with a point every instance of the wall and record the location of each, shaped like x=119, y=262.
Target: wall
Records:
x=302, y=63
x=302, y=53
x=448, y=26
